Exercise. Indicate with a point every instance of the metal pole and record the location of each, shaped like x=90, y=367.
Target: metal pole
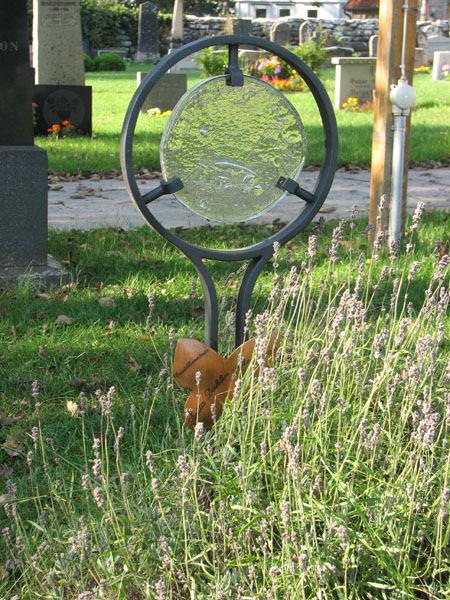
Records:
x=398, y=160
x=402, y=98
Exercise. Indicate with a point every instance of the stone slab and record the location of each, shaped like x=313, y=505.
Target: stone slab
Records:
x=16, y=76
x=123, y=52
x=58, y=44
x=440, y=59
x=437, y=43
x=37, y=277
x=23, y=206
x=166, y=93
x=355, y=78
x=58, y=103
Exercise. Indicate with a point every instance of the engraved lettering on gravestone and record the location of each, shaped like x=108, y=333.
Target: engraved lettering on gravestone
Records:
x=360, y=88
x=63, y=105
x=59, y=12
x=9, y=46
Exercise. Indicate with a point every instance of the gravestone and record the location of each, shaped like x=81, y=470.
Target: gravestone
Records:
x=59, y=65
x=437, y=43
x=249, y=58
x=148, y=34
x=420, y=58
x=280, y=33
x=58, y=44
x=23, y=166
x=56, y=104
x=373, y=45
x=355, y=78
x=421, y=38
x=306, y=32
x=241, y=27
x=166, y=93
x=439, y=61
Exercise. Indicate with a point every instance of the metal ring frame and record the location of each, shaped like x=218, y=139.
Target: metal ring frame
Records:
x=258, y=254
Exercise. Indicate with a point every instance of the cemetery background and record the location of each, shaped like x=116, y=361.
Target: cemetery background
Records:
x=105, y=495
x=111, y=93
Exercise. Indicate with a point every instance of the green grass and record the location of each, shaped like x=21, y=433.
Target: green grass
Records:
x=430, y=138
x=354, y=522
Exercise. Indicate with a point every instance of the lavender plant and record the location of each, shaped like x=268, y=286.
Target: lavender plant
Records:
x=326, y=476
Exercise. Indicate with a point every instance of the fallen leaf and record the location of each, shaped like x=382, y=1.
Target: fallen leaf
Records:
x=64, y=296
x=9, y=420
x=12, y=447
x=43, y=295
x=64, y=320
x=110, y=325
x=132, y=365
x=100, y=285
x=107, y=301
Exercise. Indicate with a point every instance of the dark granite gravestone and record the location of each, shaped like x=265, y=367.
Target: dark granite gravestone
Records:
x=16, y=115
x=56, y=104
x=166, y=93
x=242, y=27
x=23, y=166
x=148, y=33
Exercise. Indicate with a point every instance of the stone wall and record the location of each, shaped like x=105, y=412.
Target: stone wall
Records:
x=350, y=33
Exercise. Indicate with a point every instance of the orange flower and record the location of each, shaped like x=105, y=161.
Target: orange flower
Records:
x=66, y=123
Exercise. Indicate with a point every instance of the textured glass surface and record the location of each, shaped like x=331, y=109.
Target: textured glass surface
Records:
x=229, y=145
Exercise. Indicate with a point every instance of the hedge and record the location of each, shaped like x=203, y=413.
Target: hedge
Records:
x=104, y=23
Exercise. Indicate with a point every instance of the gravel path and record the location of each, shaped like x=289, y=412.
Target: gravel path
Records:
x=90, y=203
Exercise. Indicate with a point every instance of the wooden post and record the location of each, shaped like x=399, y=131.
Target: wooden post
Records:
x=388, y=72
x=177, y=24
x=424, y=10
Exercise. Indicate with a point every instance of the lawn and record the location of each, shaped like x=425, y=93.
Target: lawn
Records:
x=430, y=139
x=326, y=476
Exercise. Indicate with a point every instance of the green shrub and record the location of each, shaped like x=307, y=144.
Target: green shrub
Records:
x=104, y=23
x=89, y=63
x=312, y=53
x=213, y=62
x=110, y=62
